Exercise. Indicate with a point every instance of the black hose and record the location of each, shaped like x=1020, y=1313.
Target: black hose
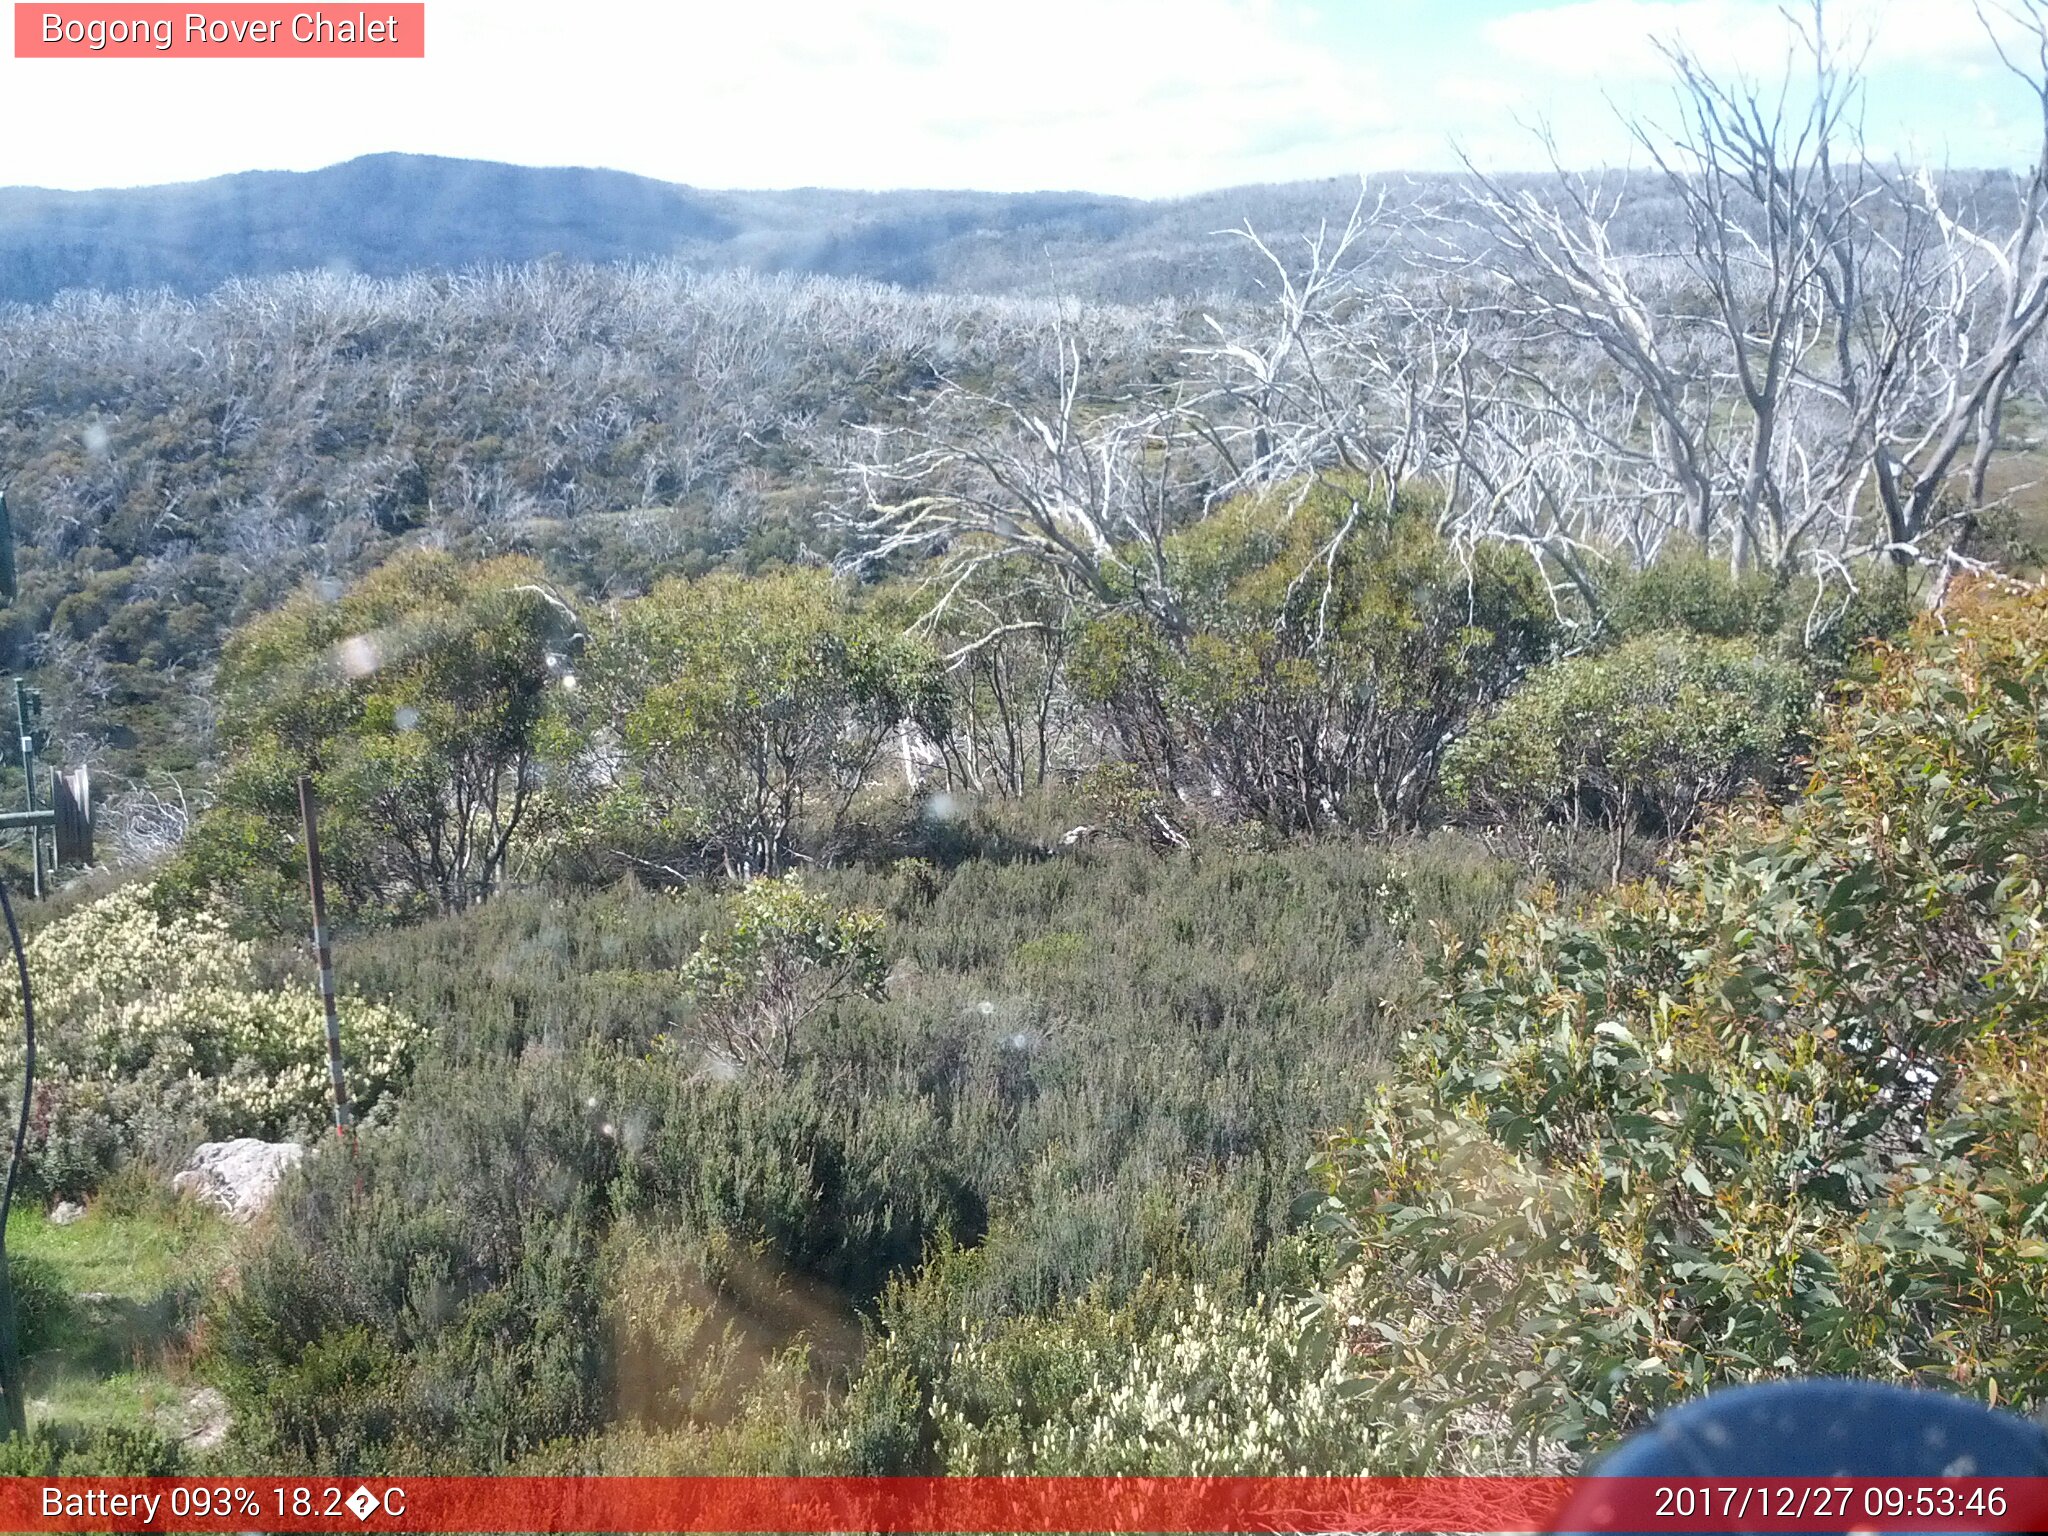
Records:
x=10, y=1342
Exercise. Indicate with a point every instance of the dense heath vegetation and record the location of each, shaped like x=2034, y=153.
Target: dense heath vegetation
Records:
x=1388, y=877
x=975, y=1148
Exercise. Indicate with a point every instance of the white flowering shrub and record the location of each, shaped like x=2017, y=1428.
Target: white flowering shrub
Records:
x=1210, y=1389
x=153, y=1032
x=1220, y=1391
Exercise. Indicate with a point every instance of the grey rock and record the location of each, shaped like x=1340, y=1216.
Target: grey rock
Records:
x=239, y=1176
x=204, y=1422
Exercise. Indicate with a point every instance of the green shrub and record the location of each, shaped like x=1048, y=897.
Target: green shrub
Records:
x=1170, y=1381
x=106, y=1450
x=1210, y=1391
x=1647, y=735
x=540, y=971
x=1799, y=617
x=431, y=1302
x=732, y=711
x=41, y=1303
x=416, y=702
x=783, y=954
x=1780, y=1113
x=1695, y=593
x=559, y=1195
x=1166, y=1378
x=1326, y=647
x=825, y=1184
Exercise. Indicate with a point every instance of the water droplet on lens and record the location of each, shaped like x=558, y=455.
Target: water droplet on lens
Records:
x=356, y=656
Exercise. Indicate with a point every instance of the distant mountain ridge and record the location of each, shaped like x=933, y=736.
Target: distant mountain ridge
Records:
x=390, y=213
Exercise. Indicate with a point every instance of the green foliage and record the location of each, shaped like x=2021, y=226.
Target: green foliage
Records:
x=1329, y=644
x=40, y=1301
x=433, y=1297
x=1648, y=734
x=785, y=954
x=730, y=710
x=498, y=1269
x=1689, y=591
x=415, y=701
x=1167, y=1380
x=802, y=1181
x=154, y=1033
x=1800, y=617
x=1211, y=1390
x=1076, y=1116
x=1781, y=1113
x=51, y=1450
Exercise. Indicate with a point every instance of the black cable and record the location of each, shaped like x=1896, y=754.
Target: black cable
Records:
x=10, y=1345
x=28, y=1071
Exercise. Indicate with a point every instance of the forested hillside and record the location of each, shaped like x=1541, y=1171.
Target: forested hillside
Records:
x=1383, y=872
x=175, y=467
x=393, y=215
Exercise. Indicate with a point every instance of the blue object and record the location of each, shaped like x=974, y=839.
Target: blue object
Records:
x=1830, y=1429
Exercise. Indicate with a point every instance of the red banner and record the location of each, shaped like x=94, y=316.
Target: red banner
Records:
x=223, y=31
x=1033, y=1504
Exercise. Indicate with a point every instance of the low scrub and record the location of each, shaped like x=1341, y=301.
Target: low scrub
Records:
x=1096, y=1076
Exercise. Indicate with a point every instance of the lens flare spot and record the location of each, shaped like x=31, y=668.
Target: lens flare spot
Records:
x=357, y=656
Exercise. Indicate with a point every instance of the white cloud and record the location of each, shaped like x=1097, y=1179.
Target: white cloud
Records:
x=1139, y=96
x=1136, y=95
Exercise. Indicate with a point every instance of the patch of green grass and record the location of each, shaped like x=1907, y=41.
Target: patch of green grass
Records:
x=80, y=1400
x=132, y=1277
x=131, y=1255
x=2018, y=533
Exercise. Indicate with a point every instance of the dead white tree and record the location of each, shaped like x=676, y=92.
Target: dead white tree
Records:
x=1085, y=489
x=1816, y=358
x=1767, y=344
x=150, y=819
x=1999, y=288
x=1309, y=389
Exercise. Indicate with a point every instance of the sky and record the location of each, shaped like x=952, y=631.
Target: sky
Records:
x=1137, y=97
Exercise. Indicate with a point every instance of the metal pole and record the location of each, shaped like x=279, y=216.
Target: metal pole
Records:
x=28, y=772
x=309, y=813
x=8, y=589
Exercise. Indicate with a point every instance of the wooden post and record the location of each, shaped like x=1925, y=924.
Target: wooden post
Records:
x=309, y=813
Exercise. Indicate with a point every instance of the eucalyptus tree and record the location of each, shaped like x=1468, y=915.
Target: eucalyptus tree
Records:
x=715, y=719
x=416, y=702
